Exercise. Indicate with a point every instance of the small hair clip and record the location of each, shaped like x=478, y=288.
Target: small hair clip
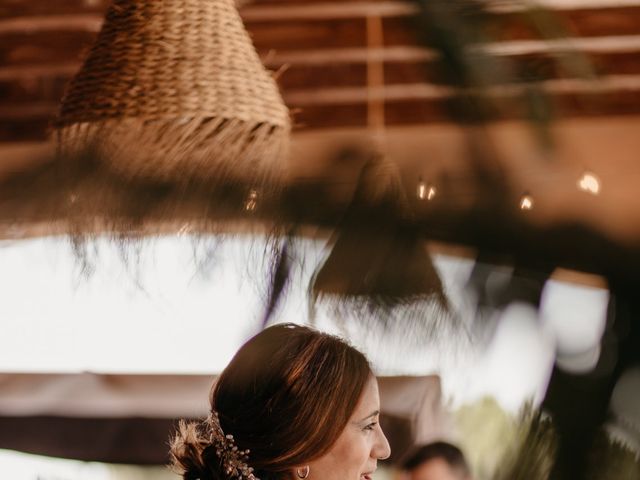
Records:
x=234, y=460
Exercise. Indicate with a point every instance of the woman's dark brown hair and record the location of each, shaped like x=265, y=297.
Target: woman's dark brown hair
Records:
x=287, y=395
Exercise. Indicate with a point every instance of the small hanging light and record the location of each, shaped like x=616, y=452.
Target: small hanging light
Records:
x=426, y=191
x=589, y=183
x=184, y=230
x=251, y=202
x=526, y=202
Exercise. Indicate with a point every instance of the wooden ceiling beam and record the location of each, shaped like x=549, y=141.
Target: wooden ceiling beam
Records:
x=64, y=38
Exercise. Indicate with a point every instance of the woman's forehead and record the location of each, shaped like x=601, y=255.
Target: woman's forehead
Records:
x=369, y=399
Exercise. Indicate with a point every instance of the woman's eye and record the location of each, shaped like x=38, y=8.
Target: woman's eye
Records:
x=371, y=426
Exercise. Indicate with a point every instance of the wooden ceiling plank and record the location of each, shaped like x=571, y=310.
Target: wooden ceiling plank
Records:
x=300, y=9
x=495, y=5
x=515, y=26
x=29, y=72
x=36, y=90
x=500, y=6
x=619, y=26
x=597, y=45
x=88, y=22
x=43, y=47
x=600, y=45
x=400, y=30
x=25, y=130
x=321, y=56
x=319, y=76
x=331, y=10
x=425, y=91
x=33, y=110
x=531, y=67
x=603, y=44
x=23, y=8
x=306, y=34
x=42, y=53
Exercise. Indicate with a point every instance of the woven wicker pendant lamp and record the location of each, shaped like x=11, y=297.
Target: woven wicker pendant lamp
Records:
x=379, y=272
x=374, y=253
x=174, y=91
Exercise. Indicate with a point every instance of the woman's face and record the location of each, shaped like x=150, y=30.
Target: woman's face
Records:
x=362, y=443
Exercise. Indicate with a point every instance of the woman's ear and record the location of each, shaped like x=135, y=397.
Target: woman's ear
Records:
x=295, y=472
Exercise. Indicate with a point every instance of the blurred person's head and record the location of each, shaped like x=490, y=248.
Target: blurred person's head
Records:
x=305, y=404
x=436, y=461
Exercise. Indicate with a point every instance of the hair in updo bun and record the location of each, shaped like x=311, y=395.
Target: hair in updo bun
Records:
x=286, y=396
x=191, y=451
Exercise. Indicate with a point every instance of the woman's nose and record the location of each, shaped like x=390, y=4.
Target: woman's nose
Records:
x=382, y=450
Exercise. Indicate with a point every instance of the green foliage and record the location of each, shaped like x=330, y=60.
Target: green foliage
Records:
x=485, y=431
x=499, y=446
x=534, y=450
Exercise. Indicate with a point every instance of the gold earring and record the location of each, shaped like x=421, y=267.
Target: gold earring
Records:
x=303, y=472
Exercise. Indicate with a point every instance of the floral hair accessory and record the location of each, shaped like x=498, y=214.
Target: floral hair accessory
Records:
x=234, y=461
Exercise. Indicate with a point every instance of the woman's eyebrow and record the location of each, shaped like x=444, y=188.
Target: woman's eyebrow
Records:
x=373, y=414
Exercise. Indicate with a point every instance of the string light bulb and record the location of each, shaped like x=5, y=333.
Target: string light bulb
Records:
x=185, y=230
x=426, y=191
x=526, y=202
x=252, y=201
x=589, y=183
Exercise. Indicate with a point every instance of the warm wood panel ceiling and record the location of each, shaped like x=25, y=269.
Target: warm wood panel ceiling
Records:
x=324, y=45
